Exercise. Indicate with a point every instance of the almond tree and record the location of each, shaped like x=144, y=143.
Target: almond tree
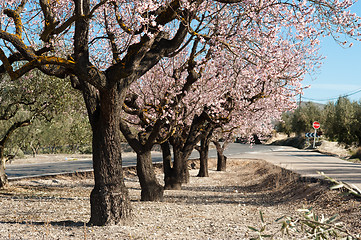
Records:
x=211, y=85
x=87, y=28
x=112, y=43
x=186, y=102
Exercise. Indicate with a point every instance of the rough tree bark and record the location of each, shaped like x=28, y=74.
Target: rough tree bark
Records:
x=180, y=164
x=221, y=158
x=203, y=155
x=221, y=162
x=183, y=145
x=178, y=174
x=169, y=175
x=142, y=145
x=109, y=199
x=203, y=160
x=104, y=98
x=151, y=189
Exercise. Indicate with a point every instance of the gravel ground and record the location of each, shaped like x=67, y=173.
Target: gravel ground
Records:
x=221, y=206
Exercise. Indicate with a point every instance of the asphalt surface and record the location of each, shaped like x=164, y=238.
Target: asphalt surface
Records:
x=52, y=168
x=305, y=162
x=308, y=163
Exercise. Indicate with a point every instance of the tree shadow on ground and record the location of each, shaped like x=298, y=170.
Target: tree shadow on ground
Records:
x=66, y=223
x=249, y=195
x=262, y=184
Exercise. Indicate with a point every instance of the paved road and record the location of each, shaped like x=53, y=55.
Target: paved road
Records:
x=305, y=162
x=31, y=170
x=51, y=168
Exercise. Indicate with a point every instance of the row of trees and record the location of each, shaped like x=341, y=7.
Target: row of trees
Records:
x=173, y=72
x=340, y=120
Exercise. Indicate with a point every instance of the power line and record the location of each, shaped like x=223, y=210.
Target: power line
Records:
x=334, y=98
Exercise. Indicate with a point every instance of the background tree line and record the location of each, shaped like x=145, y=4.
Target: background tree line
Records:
x=46, y=115
x=340, y=120
x=64, y=133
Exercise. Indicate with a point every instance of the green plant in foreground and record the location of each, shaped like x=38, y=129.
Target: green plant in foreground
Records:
x=260, y=231
x=309, y=224
x=314, y=226
x=351, y=188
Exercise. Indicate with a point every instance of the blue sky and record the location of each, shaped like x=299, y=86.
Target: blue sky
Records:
x=340, y=73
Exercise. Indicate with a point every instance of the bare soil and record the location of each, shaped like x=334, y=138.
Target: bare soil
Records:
x=221, y=206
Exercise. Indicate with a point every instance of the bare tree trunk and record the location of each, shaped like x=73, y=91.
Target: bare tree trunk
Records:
x=180, y=165
x=167, y=158
x=151, y=189
x=203, y=153
x=109, y=199
x=174, y=177
x=183, y=146
x=221, y=162
x=170, y=179
x=177, y=175
x=221, y=158
x=203, y=160
x=34, y=149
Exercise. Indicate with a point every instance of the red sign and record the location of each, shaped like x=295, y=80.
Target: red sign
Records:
x=316, y=125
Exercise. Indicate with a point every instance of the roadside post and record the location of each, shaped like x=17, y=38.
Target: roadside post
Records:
x=316, y=125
